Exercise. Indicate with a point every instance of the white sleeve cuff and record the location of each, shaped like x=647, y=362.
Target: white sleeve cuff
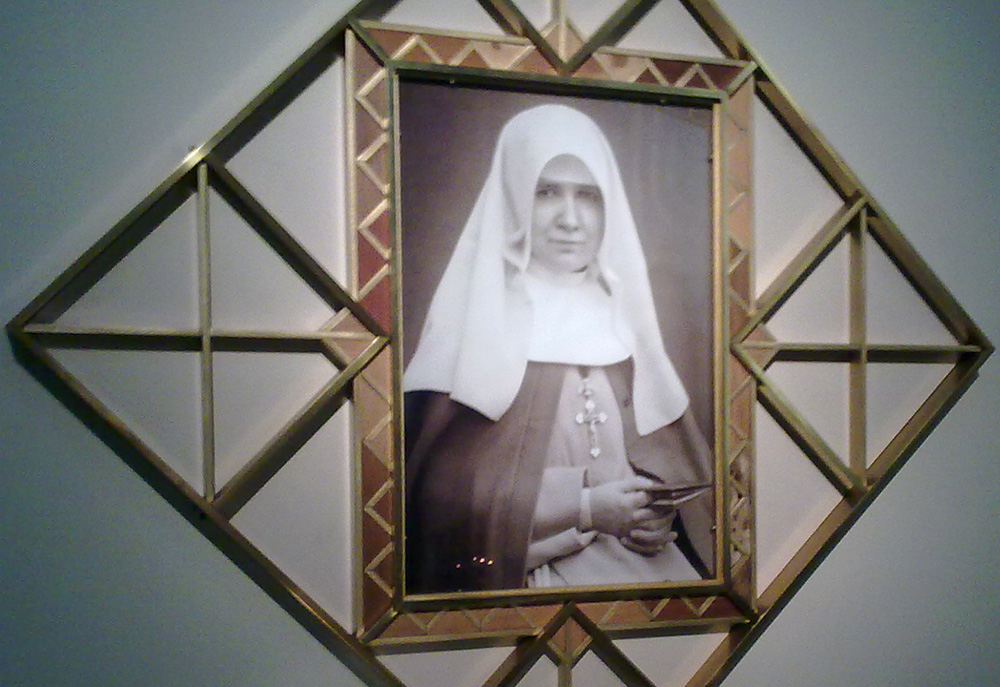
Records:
x=586, y=515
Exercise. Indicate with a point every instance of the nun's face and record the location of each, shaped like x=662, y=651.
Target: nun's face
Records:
x=567, y=218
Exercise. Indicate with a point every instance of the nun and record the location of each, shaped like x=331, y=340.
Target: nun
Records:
x=545, y=420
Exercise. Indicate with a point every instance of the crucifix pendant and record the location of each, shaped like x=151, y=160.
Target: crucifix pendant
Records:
x=590, y=417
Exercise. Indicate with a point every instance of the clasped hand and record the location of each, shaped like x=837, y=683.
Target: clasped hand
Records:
x=623, y=508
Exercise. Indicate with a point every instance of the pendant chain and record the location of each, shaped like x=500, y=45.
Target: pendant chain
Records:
x=590, y=416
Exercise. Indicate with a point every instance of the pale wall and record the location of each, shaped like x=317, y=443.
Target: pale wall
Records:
x=103, y=584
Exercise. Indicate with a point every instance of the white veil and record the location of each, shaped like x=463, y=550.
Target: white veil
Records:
x=474, y=341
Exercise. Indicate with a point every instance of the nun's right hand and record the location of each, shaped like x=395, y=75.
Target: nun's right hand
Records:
x=616, y=507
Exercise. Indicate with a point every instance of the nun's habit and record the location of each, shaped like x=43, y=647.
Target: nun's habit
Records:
x=509, y=368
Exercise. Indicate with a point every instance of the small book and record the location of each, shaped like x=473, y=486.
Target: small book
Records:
x=671, y=497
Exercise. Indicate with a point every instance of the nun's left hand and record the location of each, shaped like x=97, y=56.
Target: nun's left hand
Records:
x=649, y=537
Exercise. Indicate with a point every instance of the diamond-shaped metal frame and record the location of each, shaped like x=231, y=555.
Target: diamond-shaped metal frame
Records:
x=358, y=338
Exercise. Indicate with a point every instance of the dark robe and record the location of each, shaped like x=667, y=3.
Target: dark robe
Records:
x=472, y=482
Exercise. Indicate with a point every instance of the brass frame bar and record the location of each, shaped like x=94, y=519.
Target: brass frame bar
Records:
x=507, y=15
x=623, y=20
x=720, y=30
x=747, y=69
x=527, y=652
x=858, y=335
x=348, y=213
x=801, y=266
x=802, y=432
x=279, y=450
x=611, y=655
x=665, y=628
x=183, y=340
x=290, y=250
x=283, y=445
x=248, y=342
x=809, y=353
x=827, y=162
x=109, y=250
x=801, y=559
x=363, y=36
x=555, y=84
x=351, y=47
x=885, y=353
x=741, y=463
x=205, y=324
x=720, y=332
x=510, y=18
x=808, y=439
x=927, y=416
x=868, y=352
x=398, y=426
x=99, y=339
x=194, y=341
x=920, y=277
x=559, y=26
x=358, y=89
x=564, y=668
x=702, y=626
x=489, y=599
x=82, y=402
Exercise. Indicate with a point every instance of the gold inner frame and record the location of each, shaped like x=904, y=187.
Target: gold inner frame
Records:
x=377, y=57
x=356, y=341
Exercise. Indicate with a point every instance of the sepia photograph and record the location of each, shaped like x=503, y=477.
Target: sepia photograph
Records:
x=557, y=322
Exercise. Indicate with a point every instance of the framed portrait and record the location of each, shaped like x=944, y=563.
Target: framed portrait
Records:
x=567, y=260
x=448, y=146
